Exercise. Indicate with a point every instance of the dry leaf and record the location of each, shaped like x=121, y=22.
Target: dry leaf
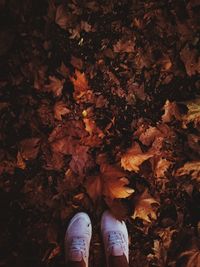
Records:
x=94, y=187
x=55, y=85
x=60, y=110
x=124, y=46
x=111, y=183
x=190, y=168
x=161, y=167
x=193, y=114
x=29, y=148
x=192, y=256
x=171, y=112
x=134, y=157
x=20, y=162
x=62, y=19
x=144, y=209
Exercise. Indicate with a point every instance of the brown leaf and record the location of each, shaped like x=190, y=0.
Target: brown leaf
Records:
x=192, y=256
x=60, y=109
x=81, y=160
x=111, y=183
x=76, y=62
x=193, y=114
x=144, y=209
x=134, y=157
x=127, y=46
x=171, y=112
x=94, y=187
x=191, y=59
x=82, y=91
x=190, y=168
x=55, y=86
x=20, y=162
x=29, y=148
x=62, y=18
x=161, y=167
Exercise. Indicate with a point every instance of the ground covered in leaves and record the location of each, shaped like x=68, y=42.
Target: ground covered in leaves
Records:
x=100, y=108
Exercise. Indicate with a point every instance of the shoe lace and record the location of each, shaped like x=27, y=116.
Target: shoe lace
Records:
x=78, y=244
x=116, y=238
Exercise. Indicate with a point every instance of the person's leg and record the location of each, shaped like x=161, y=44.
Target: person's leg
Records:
x=115, y=237
x=77, y=241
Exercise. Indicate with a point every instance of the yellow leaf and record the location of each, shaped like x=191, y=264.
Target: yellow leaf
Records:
x=144, y=209
x=193, y=114
x=190, y=168
x=134, y=157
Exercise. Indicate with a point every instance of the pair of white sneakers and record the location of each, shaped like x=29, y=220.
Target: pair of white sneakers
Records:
x=79, y=233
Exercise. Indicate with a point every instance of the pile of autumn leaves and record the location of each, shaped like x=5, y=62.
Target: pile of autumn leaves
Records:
x=78, y=139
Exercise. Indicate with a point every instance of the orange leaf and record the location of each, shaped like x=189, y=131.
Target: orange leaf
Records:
x=171, y=111
x=134, y=157
x=144, y=209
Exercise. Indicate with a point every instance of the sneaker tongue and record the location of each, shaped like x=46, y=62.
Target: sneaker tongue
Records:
x=75, y=255
x=117, y=250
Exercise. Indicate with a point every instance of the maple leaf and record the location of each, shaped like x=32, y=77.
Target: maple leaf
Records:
x=29, y=148
x=161, y=167
x=111, y=182
x=193, y=114
x=82, y=91
x=170, y=111
x=134, y=157
x=190, y=168
x=55, y=85
x=144, y=209
x=60, y=110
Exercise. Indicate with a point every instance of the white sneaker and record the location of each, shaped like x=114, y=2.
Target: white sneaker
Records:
x=115, y=236
x=77, y=238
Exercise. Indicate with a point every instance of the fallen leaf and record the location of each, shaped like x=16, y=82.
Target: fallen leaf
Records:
x=20, y=162
x=62, y=18
x=144, y=209
x=60, y=109
x=170, y=112
x=29, y=148
x=190, y=168
x=192, y=256
x=134, y=157
x=193, y=114
x=191, y=59
x=124, y=46
x=111, y=183
x=55, y=85
x=80, y=84
x=94, y=187
x=161, y=167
